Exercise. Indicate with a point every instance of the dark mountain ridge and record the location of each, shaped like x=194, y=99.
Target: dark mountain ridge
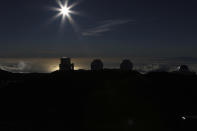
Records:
x=97, y=100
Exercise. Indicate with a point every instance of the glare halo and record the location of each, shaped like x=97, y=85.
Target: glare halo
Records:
x=65, y=11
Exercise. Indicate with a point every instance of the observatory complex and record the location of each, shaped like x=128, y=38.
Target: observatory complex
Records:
x=126, y=65
x=66, y=65
x=97, y=65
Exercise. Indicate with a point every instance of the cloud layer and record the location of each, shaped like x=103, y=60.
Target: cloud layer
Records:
x=28, y=65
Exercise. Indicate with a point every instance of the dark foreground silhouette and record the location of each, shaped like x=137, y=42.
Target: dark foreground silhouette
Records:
x=97, y=101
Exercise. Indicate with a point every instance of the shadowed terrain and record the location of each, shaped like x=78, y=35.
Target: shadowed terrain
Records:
x=95, y=101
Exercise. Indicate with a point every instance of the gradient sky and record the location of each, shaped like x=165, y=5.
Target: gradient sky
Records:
x=104, y=28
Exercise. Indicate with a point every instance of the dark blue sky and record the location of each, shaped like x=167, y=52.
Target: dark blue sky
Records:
x=106, y=28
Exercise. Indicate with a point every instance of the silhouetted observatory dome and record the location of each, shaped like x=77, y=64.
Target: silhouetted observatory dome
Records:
x=97, y=65
x=183, y=68
x=126, y=65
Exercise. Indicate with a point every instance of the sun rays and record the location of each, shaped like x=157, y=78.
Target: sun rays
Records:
x=65, y=11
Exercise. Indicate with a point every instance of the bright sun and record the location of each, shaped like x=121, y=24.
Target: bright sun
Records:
x=65, y=11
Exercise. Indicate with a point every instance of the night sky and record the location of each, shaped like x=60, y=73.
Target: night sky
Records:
x=103, y=29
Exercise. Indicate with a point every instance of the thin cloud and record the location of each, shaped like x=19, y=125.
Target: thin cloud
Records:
x=104, y=26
